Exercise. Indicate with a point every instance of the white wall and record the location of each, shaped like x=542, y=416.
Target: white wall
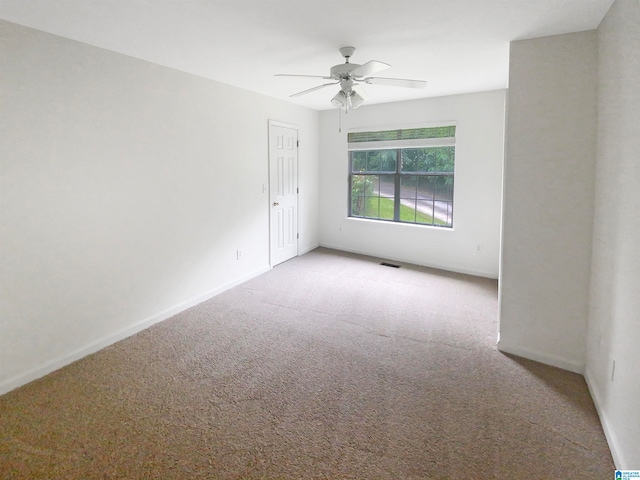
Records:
x=472, y=246
x=614, y=314
x=126, y=190
x=548, y=198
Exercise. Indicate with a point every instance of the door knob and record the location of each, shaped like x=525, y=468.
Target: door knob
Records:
x=275, y=204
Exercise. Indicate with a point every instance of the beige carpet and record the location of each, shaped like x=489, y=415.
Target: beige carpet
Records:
x=329, y=366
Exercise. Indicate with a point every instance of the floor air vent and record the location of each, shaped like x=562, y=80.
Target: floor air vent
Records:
x=385, y=264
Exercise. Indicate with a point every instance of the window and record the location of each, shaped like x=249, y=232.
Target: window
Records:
x=403, y=175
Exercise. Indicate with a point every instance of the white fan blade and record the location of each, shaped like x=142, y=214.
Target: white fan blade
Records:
x=369, y=68
x=395, y=82
x=294, y=75
x=304, y=92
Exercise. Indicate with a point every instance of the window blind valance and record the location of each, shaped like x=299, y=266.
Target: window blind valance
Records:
x=405, y=138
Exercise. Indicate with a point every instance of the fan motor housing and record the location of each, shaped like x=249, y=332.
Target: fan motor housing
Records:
x=343, y=70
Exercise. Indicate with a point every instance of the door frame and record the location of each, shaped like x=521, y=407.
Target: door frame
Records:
x=277, y=123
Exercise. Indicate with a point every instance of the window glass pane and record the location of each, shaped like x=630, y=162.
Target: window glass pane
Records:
x=388, y=160
x=408, y=210
x=428, y=161
x=425, y=212
x=410, y=159
x=387, y=186
x=418, y=159
x=425, y=187
x=408, y=185
x=443, y=205
x=445, y=159
x=385, y=193
x=373, y=161
x=358, y=161
x=371, y=207
x=380, y=160
x=449, y=213
x=387, y=205
x=361, y=185
x=371, y=204
x=372, y=196
x=444, y=188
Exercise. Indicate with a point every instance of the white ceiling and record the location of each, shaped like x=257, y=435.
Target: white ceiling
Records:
x=458, y=46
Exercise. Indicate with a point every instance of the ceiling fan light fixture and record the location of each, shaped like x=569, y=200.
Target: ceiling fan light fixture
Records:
x=348, y=74
x=340, y=100
x=356, y=100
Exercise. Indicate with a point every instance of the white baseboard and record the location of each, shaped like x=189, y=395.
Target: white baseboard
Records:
x=575, y=367
x=307, y=249
x=54, y=364
x=396, y=258
x=614, y=445
x=553, y=360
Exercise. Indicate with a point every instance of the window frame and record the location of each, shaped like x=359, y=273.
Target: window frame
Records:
x=399, y=145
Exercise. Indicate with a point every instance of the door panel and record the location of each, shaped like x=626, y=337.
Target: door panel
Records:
x=283, y=188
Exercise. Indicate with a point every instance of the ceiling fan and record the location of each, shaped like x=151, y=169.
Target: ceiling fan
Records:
x=348, y=74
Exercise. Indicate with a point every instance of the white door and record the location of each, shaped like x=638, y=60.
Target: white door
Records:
x=283, y=192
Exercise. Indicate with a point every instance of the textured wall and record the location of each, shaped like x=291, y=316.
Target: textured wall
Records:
x=126, y=190
x=548, y=198
x=614, y=315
